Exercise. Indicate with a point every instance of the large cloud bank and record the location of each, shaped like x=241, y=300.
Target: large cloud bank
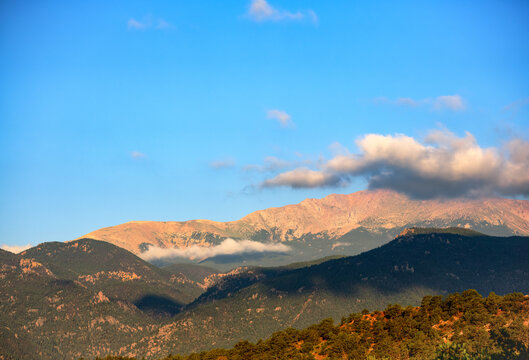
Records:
x=226, y=247
x=441, y=165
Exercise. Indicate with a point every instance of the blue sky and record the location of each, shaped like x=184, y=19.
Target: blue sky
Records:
x=176, y=110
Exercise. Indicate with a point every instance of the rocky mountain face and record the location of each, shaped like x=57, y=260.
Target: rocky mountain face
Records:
x=336, y=224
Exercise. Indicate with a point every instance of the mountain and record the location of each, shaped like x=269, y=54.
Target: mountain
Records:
x=120, y=274
x=85, y=297
x=253, y=304
x=67, y=300
x=336, y=224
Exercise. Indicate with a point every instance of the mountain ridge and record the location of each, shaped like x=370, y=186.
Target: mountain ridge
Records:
x=382, y=213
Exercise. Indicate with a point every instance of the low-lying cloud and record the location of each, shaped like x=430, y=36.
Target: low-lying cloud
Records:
x=440, y=165
x=16, y=248
x=226, y=247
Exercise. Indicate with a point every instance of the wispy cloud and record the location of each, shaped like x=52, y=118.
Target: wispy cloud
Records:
x=148, y=23
x=440, y=165
x=516, y=105
x=16, y=248
x=450, y=102
x=135, y=24
x=261, y=11
x=226, y=247
x=284, y=119
x=340, y=244
x=136, y=155
x=443, y=102
x=222, y=163
x=274, y=164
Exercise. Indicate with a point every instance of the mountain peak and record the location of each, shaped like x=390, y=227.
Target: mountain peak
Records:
x=334, y=220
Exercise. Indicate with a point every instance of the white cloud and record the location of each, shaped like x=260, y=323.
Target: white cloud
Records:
x=16, y=248
x=162, y=24
x=443, y=102
x=284, y=119
x=340, y=244
x=450, y=102
x=261, y=10
x=137, y=155
x=442, y=165
x=516, y=105
x=406, y=101
x=273, y=164
x=303, y=178
x=148, y=23
x=222, y=163
x=226, y=247
x=135, y=24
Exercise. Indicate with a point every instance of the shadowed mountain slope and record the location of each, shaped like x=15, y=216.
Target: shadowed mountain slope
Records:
x=402, y=271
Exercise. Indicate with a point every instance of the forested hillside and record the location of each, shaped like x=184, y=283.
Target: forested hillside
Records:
x=91, y=298
x=459, y=326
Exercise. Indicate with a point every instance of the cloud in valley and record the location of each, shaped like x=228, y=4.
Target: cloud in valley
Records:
x=16, y=248
x=261, y=11
x=226, y=247
x=443, y=102
x=440, y=165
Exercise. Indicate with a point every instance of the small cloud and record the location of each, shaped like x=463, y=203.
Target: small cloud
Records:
x=281, y=116
x=340, y=244
x=516, y=105
x=222, y=163
x=162, y=24
x=302, y=178
x=136, y=25
x=450, y=102
x=313, y=17
x=148, y=23
x=406, y=102
x=443, y=102
x=226, y=247
x=338, y=149
x=16, y=248
x=137, y=155
x=274, y=164
x=261, y=11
